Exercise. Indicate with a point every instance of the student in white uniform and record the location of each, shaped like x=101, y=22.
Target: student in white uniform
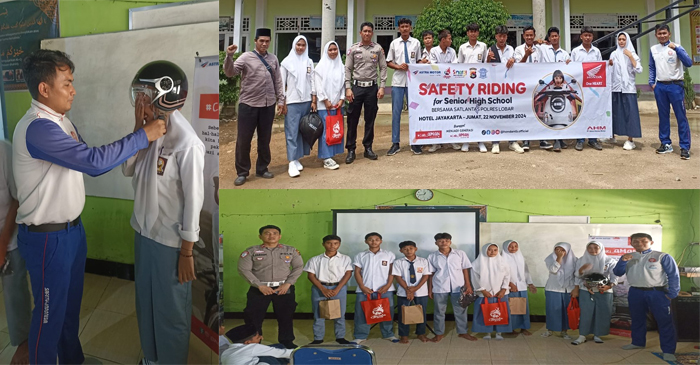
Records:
x=329, y=272
x=13, y=270
x=168, y=181
x=520, y=282
x=246, y=348
x=329, y=83
x=428, y=37
x=443, y=53
x=474, y=51
x=491, y=279
x=625, y=112
x=502, y=52
x=412, y=273
x=587, y=52
x=552, y=52
x=297, y=80
x=558, y=290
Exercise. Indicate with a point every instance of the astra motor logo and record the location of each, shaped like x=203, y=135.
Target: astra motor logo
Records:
x=596, y=128
x=491, y=132
x=205, y=64
x=594, y=74
x=428, y=72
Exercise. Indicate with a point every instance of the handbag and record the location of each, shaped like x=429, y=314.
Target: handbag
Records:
x=329, y=309
x=376, y=310
x=412, y=314
x=495, y=313
x=466, y=299
x=334, y=128
x=518, y=305
x=574, y=313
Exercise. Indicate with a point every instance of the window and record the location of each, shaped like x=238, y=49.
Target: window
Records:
x=226, y=33
x=288, y=28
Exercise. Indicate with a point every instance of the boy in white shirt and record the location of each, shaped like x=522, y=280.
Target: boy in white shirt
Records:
x=247, y=348
x=329, y=272
x=473, y=51
x=411, y=272
x=373, y=274
x=587, y=52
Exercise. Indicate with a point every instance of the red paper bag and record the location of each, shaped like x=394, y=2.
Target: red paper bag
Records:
x=334, y=128
x=495, y=313
x=574, y=314
x=376, y=310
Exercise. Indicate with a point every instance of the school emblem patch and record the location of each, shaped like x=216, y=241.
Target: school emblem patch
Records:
x=162, y=162
x=384, y=263
x=419, y=270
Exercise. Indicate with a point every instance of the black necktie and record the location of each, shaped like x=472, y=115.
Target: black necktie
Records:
x=412, y=272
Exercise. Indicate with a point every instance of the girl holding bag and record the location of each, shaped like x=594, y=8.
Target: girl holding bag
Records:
x=520, y=282
x=558, y=290
x=595, y=302
x=491, y=280
x=329, y=80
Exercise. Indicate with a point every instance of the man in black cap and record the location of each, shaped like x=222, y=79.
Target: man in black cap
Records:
x=247, y=348
x=261, y=87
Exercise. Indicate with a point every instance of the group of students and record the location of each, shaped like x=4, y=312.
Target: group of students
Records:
x=499, y=272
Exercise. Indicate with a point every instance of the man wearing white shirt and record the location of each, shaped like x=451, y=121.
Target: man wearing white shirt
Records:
x=247, y=348
x=402, y=52
x=411, y=272
x=443, y=53
x=451, y=274
x=551, y=52
x=587, y=52
x=329, y=272
x=502, y=52
x=427, y=37
x=373, y=274
x=473, y=51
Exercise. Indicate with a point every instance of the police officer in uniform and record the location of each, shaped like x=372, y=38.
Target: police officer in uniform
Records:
x=361, y=88
x=271, y=269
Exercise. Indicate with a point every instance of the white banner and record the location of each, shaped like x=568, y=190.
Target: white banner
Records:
x=205, y=121
x=487, y=102
x=614, y=246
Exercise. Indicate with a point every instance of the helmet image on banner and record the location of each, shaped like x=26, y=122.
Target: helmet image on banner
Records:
x=557, y=100
x=163, y=83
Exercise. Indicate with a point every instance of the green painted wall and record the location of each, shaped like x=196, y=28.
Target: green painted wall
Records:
x=109, y=235
x=305, y=217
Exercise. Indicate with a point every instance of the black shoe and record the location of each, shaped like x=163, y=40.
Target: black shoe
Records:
x=545, y=145
x=579, y=146
x=417, y=150
x=564, y=145
x=596, y=145
x=343, y=341
x=557, y=146
x=664, y=148
x=685, y=154
x=393, y=150
x=289, y=345
x=526, y=145
x=316, y=342
x=266, y=175
x=370, y=154
x=351, y=157
x=239, y=181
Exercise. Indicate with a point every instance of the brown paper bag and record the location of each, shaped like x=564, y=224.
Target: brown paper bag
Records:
x=412, y=314
x=518, y=305
x=329, y=309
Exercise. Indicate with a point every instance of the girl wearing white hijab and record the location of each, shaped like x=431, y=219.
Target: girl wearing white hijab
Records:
x=595, y=302
x=297, y=70
x=491, y=279
x=520, y=281
x=558, y=290
x=329, y=81
x=625, y=64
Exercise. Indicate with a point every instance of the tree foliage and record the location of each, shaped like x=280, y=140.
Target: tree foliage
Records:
x=229, y=87
x=456, y=15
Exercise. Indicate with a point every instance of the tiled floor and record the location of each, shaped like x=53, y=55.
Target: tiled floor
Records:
x=513, y=350
x=108, y=329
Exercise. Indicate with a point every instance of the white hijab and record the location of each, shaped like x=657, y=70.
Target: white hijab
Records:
x=515, y=261
x=296, y=65
x=565, y=275
x=332, y=72
x=598, y=261
x=491, y=270
x=622, y=63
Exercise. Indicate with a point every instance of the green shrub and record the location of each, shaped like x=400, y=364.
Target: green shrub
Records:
x=689, y=92
x=229, y=87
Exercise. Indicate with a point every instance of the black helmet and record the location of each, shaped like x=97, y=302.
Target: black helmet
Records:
x=596, y=279
x=163, y=82
x=311, y=128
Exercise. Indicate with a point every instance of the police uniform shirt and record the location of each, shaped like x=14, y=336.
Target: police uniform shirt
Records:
x=396, y=55
x=520, y=53
x=448, y=276
x=651, y=269
x=361, y=64
x=240, y=354
x=375, y=268
x=49, y=158
x=438, y=56
x=472, y=54
x=548, y=54
x=421, y=267
x=666, y=64
x=579, y=54
x=260, y=265
x=7, y=189
x=329, y=269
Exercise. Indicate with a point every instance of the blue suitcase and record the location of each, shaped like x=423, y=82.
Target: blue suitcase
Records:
x=333, y=354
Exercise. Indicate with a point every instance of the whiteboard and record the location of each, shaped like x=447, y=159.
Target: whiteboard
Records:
x=165, y=15
x=537, y=240
x=105, y=64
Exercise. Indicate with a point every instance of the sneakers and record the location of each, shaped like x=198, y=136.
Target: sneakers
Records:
x=358, y=341
x=608, y=140
x=579, y=146
x=669, y=357
x=664, y=148
x=495, y=148
x=595, y=144
x=298, y=165
x=514, y=146
x=546, y=334
x=545, y=145
x=457, y=146
x=465, y=147
x=342, y=341
x=564, y=145
x=330, y=164
x=685, y=154
x=629, y=145
x=482, y=147
x=631, y=347
x=393, y=150
x=526, y=145
x=417, y=150
x=293, y=170
x=597, y=339
x=557, y=146
x=579, y=340
x=498, y=336
x=488, y=336
x=392, y=339
x=565, y=336
x=434, y=148
x=316, y=342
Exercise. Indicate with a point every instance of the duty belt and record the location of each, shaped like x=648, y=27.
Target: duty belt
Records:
x=53, y=227
x=364, y=83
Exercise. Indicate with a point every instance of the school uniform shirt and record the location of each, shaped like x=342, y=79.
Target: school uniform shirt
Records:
x=49, y=158
x=490, y=274
x=651, y=269
x=561, y=276
x=448, y=275
x=519, y=273
x=288, y=81
x=8, y=191
x=505, y=54
x=329, y=79
x=168, y=181
x=548, y=54
x=257, y=88
x=425, y=55
x=579, y=54
x=329, y=269
x=259, y=264
x=520, y=53
x=421, y=267
x=302, y=66
x=396, y=55
x=666, y=64
x=472, y=54
x=607, y=271
x=375, y=268
x=438, y=56
x=600, y=263
x=240, y=354
x=623, y=73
